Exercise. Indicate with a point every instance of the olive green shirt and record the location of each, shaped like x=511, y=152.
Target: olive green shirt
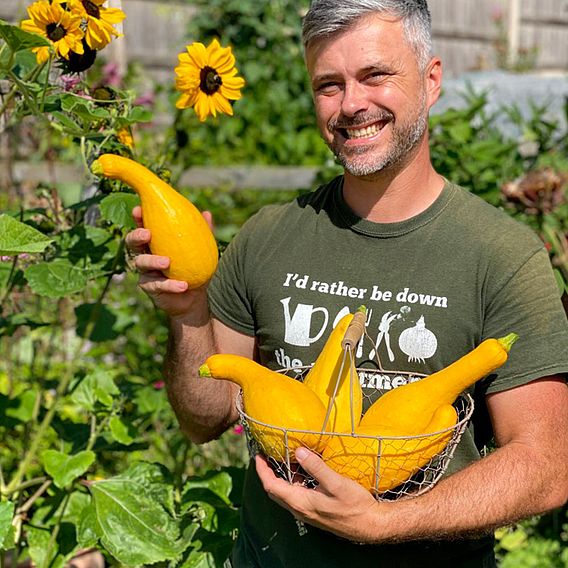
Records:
x=434, y=287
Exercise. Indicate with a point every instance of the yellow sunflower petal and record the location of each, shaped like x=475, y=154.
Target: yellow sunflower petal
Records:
x=42, y=54
x=201, y=106
x=222, y=104
x=112, y=15
x=198, y=54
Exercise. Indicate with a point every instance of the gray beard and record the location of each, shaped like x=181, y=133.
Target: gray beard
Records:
x=404, y=140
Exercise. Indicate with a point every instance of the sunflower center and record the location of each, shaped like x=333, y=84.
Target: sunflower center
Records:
x=55, y=32
x=210, y=80
x=92, y=9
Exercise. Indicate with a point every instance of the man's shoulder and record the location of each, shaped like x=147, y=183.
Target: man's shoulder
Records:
x=487, y=222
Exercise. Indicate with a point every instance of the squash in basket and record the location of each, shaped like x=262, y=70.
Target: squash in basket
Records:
x=282, y=404
x=381, y=460
x=338, y=389
x=410, y=408
x=178, y=230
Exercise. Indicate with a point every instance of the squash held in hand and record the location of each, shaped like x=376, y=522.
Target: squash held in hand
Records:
x=178, y=229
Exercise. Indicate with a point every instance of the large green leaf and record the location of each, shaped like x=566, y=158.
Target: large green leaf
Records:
x=57, y=278
x=104, y=322
x=38, y=546
x=117, y=208
x=6, y=529
x=18, y=238
x=132, y=526
x=96, y=387
x=123, y=432
x=155, y=479
x=18, y=39
x=64, y=468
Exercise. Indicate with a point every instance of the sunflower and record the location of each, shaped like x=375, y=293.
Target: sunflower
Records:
x=61, y=28
x=99, y=21
x=206, y=79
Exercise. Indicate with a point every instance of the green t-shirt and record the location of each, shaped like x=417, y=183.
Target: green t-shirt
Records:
x=434, y=287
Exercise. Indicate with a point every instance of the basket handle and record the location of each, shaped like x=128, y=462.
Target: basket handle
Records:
x=355, y=330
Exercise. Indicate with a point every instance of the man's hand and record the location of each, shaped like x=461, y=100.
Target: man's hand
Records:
x=171, y=296
x=338, y=505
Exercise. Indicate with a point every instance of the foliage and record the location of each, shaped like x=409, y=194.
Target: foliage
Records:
x=91, y=455
x=275, y=122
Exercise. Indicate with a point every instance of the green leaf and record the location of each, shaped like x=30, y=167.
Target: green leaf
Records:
x=82, y=108
x=117, y=208
x=64, y=468
x=57, y=278
x=6, y=528
x=155, y=479
x=38, y=544
x=23, y=408
x=122, y=432
x=87, y=528
x=18, y=39
x=96, y=387
x=18, y=238
x=103, y=330
x=132, y=526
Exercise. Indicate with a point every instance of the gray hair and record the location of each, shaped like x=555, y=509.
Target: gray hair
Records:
x=328, y=17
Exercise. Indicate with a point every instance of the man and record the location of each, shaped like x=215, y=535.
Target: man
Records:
x=394, y=235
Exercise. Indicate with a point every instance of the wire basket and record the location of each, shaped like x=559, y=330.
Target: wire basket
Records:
x=389, y=466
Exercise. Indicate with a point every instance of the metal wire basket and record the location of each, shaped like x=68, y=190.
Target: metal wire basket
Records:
x=390, y=467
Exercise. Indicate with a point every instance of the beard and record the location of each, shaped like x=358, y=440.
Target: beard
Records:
x=364, y=161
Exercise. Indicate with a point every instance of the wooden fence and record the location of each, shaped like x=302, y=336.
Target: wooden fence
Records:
x=465, y=32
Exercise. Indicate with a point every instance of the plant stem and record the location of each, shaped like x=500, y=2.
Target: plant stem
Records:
x=55, y=531
x=29, y=503
x=10, y=284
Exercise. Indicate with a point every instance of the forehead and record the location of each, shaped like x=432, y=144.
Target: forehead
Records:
x=373, y=40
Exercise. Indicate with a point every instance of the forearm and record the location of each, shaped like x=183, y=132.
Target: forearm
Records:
x=510, y=484
x=204, y=407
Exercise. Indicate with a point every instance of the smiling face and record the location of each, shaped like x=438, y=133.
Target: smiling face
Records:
x=371, y=98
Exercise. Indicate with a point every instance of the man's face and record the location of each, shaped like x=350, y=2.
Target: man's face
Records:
x=370, y=97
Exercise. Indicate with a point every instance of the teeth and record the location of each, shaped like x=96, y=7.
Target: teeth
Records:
x=363, y=132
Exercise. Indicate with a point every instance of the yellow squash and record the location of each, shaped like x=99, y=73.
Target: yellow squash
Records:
x=178, y=229
x=281, y=403
x=338, y=389
x=379, y=461
x=410, y=408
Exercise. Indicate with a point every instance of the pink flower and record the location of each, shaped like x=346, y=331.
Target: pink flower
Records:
x=112, y=75
x=238, y=429
x=496, y=14
x=146, y=99
x=158, y=385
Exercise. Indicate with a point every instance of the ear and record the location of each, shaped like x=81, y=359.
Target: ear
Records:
x=433, y=80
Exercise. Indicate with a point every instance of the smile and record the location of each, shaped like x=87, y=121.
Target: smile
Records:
x=365, y=132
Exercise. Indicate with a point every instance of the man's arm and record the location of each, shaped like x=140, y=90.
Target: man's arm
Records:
x=204, y=408
x=526, y=475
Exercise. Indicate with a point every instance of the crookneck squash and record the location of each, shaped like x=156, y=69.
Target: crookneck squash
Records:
x=178, y=230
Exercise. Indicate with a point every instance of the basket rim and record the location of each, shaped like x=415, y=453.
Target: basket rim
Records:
x=465, y=397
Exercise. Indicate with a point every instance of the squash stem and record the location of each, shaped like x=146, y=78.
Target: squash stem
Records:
x=204, y=371
x=508, y=340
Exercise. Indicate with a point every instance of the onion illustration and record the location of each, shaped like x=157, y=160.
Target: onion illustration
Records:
x=418, y=342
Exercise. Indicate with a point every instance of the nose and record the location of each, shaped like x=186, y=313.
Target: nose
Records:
x=354, y=99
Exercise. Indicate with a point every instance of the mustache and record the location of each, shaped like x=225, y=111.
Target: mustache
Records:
x=342, y=123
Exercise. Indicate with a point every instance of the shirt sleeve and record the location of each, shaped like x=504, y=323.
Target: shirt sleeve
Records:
x=229, y=296
x=529, y=305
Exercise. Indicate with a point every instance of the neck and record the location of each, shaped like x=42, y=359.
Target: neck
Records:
x=395, y=194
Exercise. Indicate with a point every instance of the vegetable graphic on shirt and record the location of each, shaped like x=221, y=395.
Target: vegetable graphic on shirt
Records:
x=418, y=342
